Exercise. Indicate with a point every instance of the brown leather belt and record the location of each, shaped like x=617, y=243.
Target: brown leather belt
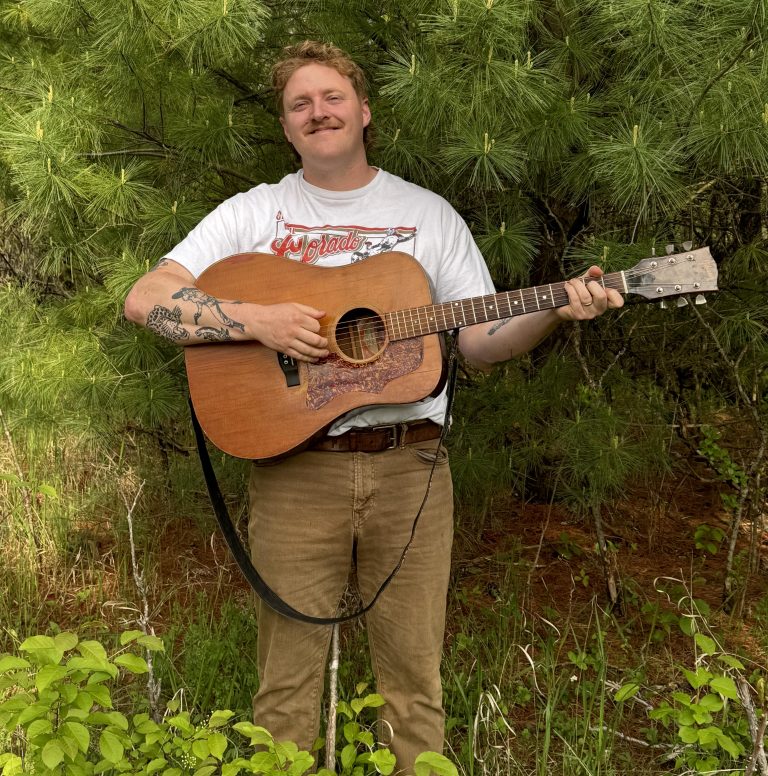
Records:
x=374, y=440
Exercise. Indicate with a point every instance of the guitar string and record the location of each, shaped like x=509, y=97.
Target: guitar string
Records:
x=375, y=326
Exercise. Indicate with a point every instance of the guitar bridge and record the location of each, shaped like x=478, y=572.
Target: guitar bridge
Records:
x=290, y=369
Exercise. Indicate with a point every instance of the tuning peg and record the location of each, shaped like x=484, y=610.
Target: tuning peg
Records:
x=700, y=299
x=687, y=245
x=682, y=301
x=670, y=248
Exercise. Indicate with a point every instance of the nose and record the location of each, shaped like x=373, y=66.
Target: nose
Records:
x=319, y=111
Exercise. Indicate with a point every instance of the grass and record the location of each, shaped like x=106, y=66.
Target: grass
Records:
x=533, y=657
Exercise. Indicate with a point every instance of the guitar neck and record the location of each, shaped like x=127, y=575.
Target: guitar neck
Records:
x=431, y=319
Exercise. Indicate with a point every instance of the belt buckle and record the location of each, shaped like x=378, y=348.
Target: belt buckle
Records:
x=394, y=436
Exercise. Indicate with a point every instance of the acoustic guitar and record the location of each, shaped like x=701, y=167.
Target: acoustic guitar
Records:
x=382, y=328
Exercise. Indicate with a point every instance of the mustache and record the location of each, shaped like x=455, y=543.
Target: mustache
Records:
x=315, y=126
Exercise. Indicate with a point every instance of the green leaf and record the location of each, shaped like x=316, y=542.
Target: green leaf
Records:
x=365, y=737
x=220, y=718
x=259, y=736
x=233, y=768
x=698, y=678
x=12, y=663
x=100, y=694
x=181, y=721
x=49, y=674
x=263, y=762
x=711, y=702
x=350, y=730
x=626, y=691
x=35, y=711
x=725, y=686
x=52, y=754
x=343, y=708
x=93, y=650
x=152, y=643
x=708, y=736
x=732, y=661
x=11, y=764
x=40, y=727
x=432, y=762
x=348, y=756
x=128, y=636
x=43, y=649
x=384, y=761
x=372, y=701
x=705, y=644
x=69, y=745
x=79, y=733
x=730, y=746
x=65, y=641
x=217, y=743
x=111, y=747
x=133, y=663
x=200, y=748
x=688, y=735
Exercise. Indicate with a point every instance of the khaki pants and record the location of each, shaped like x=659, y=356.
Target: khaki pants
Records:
x=310, y=514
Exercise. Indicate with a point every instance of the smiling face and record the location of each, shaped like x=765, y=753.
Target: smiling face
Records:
x=323, y=118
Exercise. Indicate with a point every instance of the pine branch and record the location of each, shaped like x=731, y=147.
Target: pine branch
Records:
x=724, y=70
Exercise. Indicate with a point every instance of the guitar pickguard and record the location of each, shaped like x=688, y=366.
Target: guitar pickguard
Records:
x=333, y=376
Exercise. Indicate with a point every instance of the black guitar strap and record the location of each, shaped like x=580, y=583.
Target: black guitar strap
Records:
x=241, y=555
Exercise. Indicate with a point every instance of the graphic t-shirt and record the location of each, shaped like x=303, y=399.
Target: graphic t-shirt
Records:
x=299, y=221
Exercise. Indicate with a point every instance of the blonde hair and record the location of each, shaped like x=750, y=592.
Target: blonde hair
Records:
x=313, y=52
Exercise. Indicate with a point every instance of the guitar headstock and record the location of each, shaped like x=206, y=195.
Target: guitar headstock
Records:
x=659, y=277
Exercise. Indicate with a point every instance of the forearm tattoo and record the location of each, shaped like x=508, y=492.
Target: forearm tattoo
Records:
x=203, y=300
x=496, y=326
x=167, y=323
x=212, y=334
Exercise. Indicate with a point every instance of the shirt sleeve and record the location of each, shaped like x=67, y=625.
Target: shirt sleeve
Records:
x=463, y=272
x=215, y=237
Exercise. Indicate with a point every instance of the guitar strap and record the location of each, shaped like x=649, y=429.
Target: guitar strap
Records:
x=241, y=555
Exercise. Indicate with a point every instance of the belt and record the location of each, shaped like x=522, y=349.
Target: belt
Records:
x=378, y=438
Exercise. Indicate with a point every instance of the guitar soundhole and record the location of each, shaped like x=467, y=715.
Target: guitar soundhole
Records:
x=361, y=335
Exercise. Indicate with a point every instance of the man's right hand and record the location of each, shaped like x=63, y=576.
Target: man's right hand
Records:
x=166, y=301
x=293, y=329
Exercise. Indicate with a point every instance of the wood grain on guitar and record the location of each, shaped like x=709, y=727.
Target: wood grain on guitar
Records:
x=383, y=336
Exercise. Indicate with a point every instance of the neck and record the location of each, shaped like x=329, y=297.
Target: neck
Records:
x=340, y=177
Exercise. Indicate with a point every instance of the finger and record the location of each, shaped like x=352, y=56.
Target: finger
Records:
x=313, y=312
x=578, y=294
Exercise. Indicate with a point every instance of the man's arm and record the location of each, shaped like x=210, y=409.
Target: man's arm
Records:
x=167, y=302
x=489, y=343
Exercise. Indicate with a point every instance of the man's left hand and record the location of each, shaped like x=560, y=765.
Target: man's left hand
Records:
x=588, y=298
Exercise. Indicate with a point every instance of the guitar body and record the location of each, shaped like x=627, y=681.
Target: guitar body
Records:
x=254, y=403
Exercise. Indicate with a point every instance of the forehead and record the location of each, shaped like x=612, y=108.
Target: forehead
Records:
x=313, y=78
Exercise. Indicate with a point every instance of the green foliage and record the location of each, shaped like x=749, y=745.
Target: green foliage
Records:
x=60, y=696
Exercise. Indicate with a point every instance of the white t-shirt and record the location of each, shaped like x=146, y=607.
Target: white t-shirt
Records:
x=297, y=220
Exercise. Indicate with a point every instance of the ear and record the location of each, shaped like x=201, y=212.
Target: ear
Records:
x=366, y=113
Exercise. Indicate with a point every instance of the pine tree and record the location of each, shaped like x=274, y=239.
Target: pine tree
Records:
x=566, y=132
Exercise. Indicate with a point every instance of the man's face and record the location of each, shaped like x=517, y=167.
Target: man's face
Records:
x=323, y=117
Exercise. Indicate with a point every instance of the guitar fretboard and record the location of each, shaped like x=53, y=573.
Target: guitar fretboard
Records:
x=434, y=318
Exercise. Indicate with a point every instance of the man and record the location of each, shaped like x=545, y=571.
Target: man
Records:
x=318, y=511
